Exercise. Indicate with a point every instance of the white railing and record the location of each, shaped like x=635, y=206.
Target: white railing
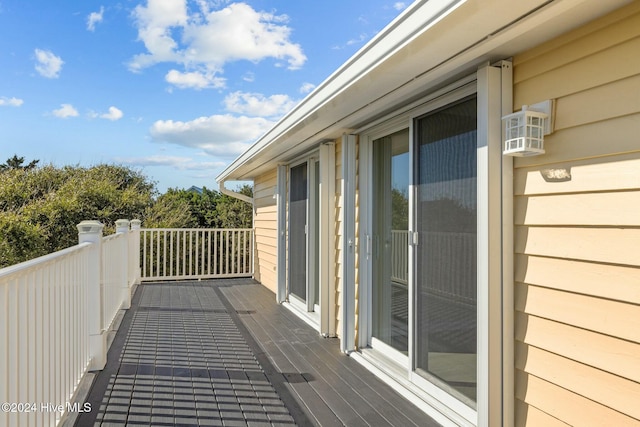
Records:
x=448, y=274
x=44, y=345
x=451, y=271
x=177, y=254
x=56, y=311
x=114, y=276
x=400, y=256
x=54, y=314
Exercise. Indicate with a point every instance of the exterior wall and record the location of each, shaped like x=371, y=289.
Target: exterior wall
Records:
x=357, y=241
x=577, y=228
x=338, y=241
x=266, y=229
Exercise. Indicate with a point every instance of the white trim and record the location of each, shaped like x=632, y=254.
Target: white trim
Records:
x=313, y=254
x=281, y=243
x=508, y=309
x=326, y=211
x=347, y=343
x=489, y=240
x=365, y=220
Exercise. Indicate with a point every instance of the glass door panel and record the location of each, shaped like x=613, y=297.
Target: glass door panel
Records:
x=390, y=240
x=446, y=215
x=298, y=231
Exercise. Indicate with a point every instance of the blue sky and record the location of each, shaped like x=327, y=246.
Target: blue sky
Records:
x=174, y=88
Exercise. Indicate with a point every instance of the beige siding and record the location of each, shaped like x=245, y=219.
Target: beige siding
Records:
x=357, y=242
x=265, y=223
x=338, y=240
x=577, y=262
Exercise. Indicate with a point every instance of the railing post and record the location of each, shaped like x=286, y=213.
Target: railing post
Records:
x=134, y=251
x=91, y=232
x=122, y=226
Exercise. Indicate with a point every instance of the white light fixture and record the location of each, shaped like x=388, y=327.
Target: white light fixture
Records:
x=524, y=130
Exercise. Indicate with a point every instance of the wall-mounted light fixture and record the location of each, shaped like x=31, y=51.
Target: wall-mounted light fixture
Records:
x=524, y=130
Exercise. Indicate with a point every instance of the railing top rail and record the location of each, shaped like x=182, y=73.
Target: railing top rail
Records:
x=112, y=237
x=12, y=269
x=196, y=229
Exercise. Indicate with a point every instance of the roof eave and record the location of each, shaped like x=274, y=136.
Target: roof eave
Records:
x=455, y=47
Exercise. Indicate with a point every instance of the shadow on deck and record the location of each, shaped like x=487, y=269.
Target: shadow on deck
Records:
x=222, y=352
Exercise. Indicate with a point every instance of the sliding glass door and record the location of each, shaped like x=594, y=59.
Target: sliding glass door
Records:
x=298, y=213
x=421, y=249
x=303, y=232
x=390, y=240
x=445, y=256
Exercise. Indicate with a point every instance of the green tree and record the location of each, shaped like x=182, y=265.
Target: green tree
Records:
x=170, y=210
x=40, y=207
x=20, y=239
x=208, y=209
x=234, y=213
x=400, y=209
x=16, y=162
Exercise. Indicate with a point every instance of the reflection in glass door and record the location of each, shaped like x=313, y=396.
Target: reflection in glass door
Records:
x=298, y=201
x=304, y=181
x=390, y=240
x=446, y=261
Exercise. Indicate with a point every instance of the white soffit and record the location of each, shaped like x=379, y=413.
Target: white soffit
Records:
x=432, y=42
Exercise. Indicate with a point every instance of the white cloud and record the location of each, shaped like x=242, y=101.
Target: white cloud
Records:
x=255, y=104
x=48, y=64
x=206, y=40
x=399, y=5
x=220, y=135
x=155, y=23
x=361, y=39
x=94, y=18
x=194, y=80
x=307, y=88
x=113, y=114
x=65, y=111
x=10, y=102
x=182, y=163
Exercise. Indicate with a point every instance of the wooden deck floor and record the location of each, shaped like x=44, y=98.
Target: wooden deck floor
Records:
x=222, y=352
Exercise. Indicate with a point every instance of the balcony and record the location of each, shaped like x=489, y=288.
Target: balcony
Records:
x=167, y=327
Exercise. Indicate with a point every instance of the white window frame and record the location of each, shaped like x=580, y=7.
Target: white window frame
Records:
x=492, y=86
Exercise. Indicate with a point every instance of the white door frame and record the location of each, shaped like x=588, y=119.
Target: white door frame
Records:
x=322, y=213
x=492, y=84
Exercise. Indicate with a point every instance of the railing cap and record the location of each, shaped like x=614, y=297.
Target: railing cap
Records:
x=122, y=225
x=90, y=227
x=136, y=224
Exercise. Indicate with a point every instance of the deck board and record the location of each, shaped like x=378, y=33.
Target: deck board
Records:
x=222, y=352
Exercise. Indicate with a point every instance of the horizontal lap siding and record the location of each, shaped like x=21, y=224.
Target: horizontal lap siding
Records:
x=266, y=226
x=357, y=243
x=577, y=262
x=338, y=241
